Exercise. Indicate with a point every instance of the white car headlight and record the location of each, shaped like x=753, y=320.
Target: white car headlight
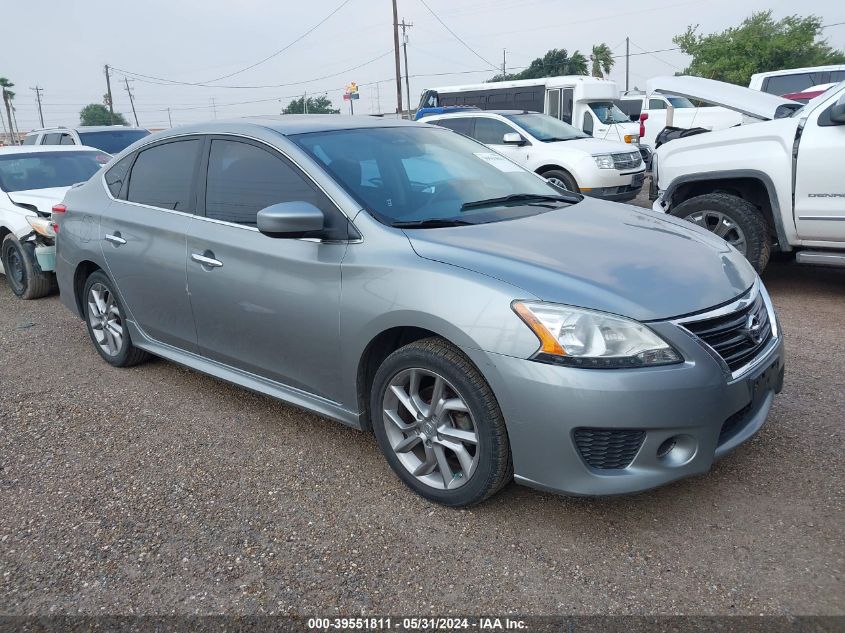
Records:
x=43, y=226
x=593, y=340
x=604, y=161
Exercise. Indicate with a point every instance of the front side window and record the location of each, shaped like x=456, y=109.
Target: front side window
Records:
x=427, y=173
x=243, y=179
x=30, y=139
x=163, y=175
x=44, y=170
x=656, y=104
x=490, y=131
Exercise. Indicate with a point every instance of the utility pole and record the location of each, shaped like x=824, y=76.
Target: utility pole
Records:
x=305, y=102
x=108, y=92
x=378, y=98
x=131, y=100
x=169, y=120
x=38, y=90
x=396, y=57
x=6, y=102
x=627, y=60
x=405, y=51
x=504, y=64
x=214, y=107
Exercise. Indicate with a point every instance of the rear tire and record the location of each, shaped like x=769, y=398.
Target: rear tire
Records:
x=451, y=448
x=736, y=220
x=23, y=274
x=105, y=317
x=561, y=178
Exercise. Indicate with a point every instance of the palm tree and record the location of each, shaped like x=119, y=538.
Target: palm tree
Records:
x=577, y=64
x=602, y=59
x=8, y=95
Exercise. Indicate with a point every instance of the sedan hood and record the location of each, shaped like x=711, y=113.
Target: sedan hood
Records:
x=600, y=255
x=753, y=103
x=41, y=199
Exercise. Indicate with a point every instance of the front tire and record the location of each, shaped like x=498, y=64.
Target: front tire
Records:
x=23, y=274
x=439, y=425
x=735, y=220
x=105, y=318
x=562, y=178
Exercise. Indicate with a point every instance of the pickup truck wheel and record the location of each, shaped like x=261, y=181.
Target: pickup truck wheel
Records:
x=735, y=220
x=561, y=179
x=24, y=276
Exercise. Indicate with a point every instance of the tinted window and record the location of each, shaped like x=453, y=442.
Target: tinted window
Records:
x=836, y=76
x=162, y=176
x=792, y=83
x=42, y=170
x=490, y=131
x=30, y=139
x=656, y=104
x=464, y=125
x=243, y=179
x=67, y=139
x=51, y=139
x=116, y=176
x=112, y=141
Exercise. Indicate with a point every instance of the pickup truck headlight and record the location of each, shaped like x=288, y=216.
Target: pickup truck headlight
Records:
x=604, y=161
x=593, y=340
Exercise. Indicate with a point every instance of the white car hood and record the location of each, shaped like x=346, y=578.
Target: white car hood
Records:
x=753, y=103
x=41, y=199
x=592, y=146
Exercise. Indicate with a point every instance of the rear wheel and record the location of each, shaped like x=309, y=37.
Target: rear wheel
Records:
x=561, y=178
x=106, y=322
x=439, y=425
x=735, y=220
x=23, y=274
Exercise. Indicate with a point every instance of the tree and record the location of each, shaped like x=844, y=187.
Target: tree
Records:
x=602, y=60
x=8, y=95
x=759, y=44
x=555, y=62
x=315, y=105
x=98, y=114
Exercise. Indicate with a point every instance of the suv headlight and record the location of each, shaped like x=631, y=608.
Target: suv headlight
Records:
x=604, y=161
x=593, y=340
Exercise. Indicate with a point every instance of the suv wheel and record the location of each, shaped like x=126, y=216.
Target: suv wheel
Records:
x=561, y=178
x=439, y=425
x=104, y=316
x=735, y=220
x=23, y=274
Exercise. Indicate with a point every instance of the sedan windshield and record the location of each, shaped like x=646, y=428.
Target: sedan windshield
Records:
x=43, y=170
x=112, y=141
x=609, y=112
x=545, y=128
x=427, y=177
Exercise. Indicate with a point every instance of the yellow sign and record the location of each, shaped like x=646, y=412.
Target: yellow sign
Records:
x=351, y=88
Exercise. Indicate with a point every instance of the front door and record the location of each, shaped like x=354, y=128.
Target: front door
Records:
x=819, y=185
x=492, y=131
x=553, y=103
x=143, y=238
x=269, y=306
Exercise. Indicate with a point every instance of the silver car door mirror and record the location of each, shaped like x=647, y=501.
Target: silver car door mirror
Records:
x=290, y=219
x=837, y=112
x=513, y=138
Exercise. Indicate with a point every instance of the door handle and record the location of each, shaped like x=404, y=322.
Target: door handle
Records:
x=206, y=261
x=115, y=239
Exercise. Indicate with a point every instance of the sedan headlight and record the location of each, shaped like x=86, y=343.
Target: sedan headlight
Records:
x=590, y=339
x=604, y=161
x=42, y=226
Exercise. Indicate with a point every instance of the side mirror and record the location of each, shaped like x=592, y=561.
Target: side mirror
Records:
x=513, y=138
x=837, y=112
x=290, y=219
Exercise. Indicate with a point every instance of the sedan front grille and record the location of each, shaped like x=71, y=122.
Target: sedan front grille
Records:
x=608, y=448
x=738, y=336
x=627, y=160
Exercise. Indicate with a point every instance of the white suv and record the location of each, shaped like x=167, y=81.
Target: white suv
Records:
x=555, y=150
x=112, y=139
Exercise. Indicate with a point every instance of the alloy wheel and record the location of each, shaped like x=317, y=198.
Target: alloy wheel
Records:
x=105, y=319
x=430, y=429
x=723, y=226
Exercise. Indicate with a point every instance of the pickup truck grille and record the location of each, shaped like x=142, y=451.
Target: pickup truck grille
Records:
x=627, y=160
x=738, y=336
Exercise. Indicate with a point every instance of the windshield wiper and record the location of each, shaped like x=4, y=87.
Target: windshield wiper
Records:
x=519, y=197
x=431, y=223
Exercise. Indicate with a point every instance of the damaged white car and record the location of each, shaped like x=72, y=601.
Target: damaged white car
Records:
x=32, y=180
x=774, y=183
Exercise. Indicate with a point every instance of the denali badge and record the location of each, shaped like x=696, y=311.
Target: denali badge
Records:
x=826, y=195
x=753, y=329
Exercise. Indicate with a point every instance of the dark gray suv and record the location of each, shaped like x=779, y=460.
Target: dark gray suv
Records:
x=404, y=279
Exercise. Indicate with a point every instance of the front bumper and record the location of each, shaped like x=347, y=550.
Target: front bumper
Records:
x=617, y=187
x=696, y=403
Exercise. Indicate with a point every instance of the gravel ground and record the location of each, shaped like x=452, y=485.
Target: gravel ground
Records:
x=160, y=490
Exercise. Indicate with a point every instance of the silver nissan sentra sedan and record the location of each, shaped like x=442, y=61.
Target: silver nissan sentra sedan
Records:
x=404, y=279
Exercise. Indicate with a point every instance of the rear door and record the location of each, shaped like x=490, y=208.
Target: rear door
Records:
x=143, y=236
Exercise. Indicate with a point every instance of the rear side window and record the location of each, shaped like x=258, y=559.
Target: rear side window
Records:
x=51, y=138
x=243, y=179
x=116, y=176
x=656, y=104
x=785, y=84
x=463, y=126
x=491, y=131
x=162, y=176
x=30, y=139
x=67, y=139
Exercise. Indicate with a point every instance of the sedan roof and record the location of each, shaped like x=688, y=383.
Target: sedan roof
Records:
x=39, y=149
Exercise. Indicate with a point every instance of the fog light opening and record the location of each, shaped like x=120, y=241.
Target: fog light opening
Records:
x=677, y=450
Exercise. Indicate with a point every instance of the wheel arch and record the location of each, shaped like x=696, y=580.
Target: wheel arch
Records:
x=80, y=275
x=753, y=186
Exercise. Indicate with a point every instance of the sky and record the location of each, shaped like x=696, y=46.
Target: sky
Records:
x=63, y=45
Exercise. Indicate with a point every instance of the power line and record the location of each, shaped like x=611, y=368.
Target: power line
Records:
x=455, y=35
x=645, y=52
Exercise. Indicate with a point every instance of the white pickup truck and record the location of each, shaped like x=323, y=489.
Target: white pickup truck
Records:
x=774, y=184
